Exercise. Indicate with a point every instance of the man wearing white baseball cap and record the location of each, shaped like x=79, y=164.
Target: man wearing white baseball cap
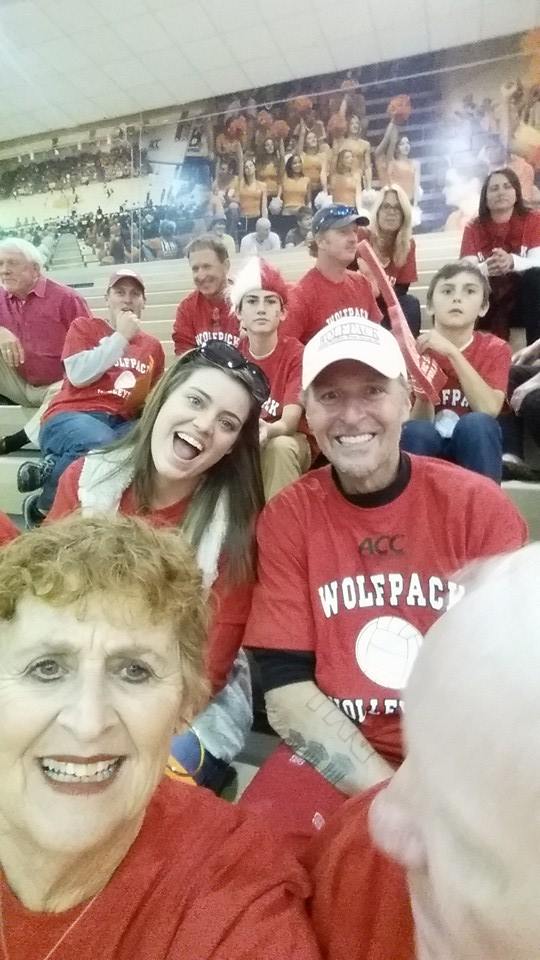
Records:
x=355, y=564
x=110, y=365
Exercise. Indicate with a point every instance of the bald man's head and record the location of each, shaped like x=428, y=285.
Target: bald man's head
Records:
x=463, y=813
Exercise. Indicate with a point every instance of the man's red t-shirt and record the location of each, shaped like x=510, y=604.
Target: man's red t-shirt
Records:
x=199, y=319
x=123, y=388
x=284, y=371
x=519, y=235
x=202, y=881
x=490, y=356
x=232, y=603
x=315, y=300
x=406, y=273
x=359, y=586
x=360, y=905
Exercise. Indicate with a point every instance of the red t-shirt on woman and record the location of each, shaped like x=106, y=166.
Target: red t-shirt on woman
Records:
x=406, y=273
x=518, y=235
x=232, y=603
x=202, y=881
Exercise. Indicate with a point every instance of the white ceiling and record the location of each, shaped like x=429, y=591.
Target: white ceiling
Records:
x=69, y=62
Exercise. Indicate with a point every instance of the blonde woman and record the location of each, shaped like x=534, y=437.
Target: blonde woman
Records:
x=390, y=235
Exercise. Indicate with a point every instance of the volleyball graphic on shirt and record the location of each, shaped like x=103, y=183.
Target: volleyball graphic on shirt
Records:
x=386, y=649
x=126, y=381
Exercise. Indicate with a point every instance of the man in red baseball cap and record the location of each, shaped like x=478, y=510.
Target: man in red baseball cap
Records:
x=110, y=365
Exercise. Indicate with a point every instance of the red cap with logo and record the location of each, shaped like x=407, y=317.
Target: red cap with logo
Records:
x=126, y=275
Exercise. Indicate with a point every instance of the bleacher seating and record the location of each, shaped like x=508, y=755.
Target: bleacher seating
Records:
x=167, y=282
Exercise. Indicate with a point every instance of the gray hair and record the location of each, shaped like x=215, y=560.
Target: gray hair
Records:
x=264, y=222
x=28, y=250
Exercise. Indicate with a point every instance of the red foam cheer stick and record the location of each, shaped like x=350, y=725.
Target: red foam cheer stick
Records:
x=424, y=371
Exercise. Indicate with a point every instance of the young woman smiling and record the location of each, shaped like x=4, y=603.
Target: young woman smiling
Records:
x=192, y=461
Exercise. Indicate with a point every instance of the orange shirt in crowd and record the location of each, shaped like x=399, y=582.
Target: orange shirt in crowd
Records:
x=268, y=173
x=360, y=905
x=525, y=174
x=203, y=881
x=294, y=193
x=250, y=196
x=199, y=319
x=313, y=164
x=232, y=603
x=315, y=299
x=403, y=172
x=343, y=187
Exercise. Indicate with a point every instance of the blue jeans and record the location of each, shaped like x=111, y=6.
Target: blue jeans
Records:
x=68, y=436
x=476, y=443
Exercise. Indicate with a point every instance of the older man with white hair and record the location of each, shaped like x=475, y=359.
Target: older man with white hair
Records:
x=459, y=820
x=262, y=240
x=35, y=315
x=356, y=562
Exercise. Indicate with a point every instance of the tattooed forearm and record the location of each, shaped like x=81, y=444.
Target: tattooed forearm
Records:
x=333, y=767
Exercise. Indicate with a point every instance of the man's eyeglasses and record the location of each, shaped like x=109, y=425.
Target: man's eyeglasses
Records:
x=229, y=358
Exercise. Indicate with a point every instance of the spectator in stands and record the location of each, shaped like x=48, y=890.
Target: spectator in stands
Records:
x=205, y=314
x=295, y=186
x=251, y=192
x=165, y=246
x=326, y=604
x=225, y=196
x=262, y=240
x=355, y=143
x=393, y=154
x=193, y=461
x=505, y=240
x=270, y=162
x=259, y=298
x=35, y=315
x=313, y=157
x=102, y=628
x=345, y=184
x=462, y=427
x=301, y=235
x=110, y=366
x=524, y=414
x=329, y=287
x=219, y=226
x=445, y=819
x=391, y=238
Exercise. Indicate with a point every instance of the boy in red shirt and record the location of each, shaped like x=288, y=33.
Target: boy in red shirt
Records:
x=259, y=297
x=330, y=289
x=110, y=366
x=463, y=426
x=205, y=314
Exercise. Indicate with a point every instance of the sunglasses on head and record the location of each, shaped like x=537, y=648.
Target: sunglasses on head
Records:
x=222, y=355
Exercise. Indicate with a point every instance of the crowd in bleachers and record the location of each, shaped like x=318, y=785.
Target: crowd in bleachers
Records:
x=19, y=178
x=321, y=400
